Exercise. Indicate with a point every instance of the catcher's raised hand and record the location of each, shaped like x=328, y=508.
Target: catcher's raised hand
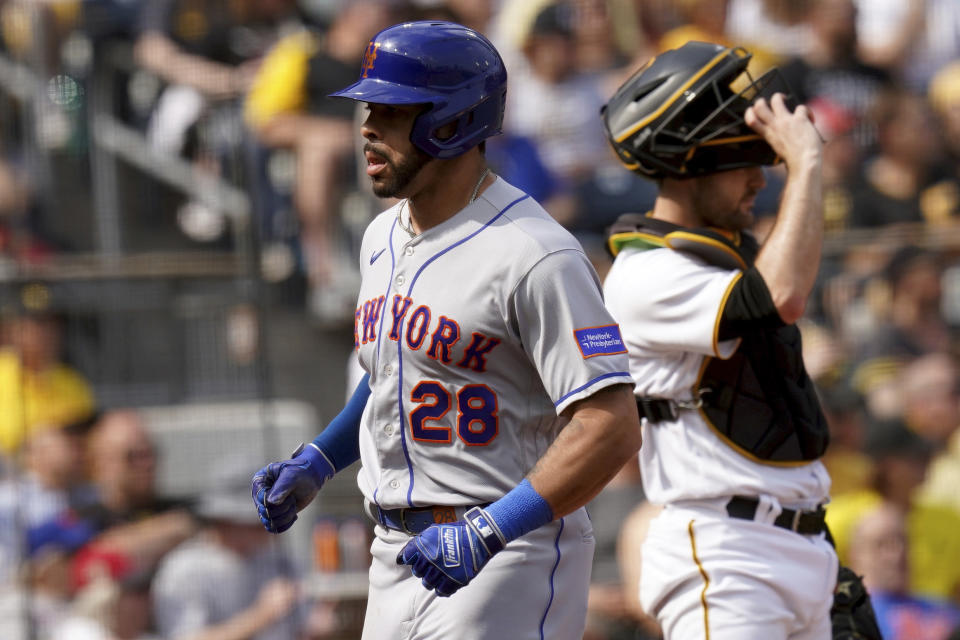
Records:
x=791, y=134
x=448, y=556
x=282, y=489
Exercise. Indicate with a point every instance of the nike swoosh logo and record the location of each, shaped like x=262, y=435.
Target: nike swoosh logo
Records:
x=373, y=258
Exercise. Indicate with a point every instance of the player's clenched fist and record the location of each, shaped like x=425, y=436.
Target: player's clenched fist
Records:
x=281, y=489
x=448, y=556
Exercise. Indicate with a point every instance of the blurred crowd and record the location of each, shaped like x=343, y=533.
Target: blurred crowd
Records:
x=235, y=91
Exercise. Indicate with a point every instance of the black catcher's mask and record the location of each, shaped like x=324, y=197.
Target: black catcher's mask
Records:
x=682, y=114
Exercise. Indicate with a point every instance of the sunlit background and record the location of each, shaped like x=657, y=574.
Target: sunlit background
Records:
x=180, y=217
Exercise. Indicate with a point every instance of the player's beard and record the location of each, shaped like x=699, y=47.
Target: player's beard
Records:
x=722, y=214
x=399, y=174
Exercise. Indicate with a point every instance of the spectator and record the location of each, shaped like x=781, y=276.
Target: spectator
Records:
x=133, y=520
x=43, y=597
x=900, y=459
x=517, y=159
x=48, y=486
x=103, y=19
x=879, y=551
x=931, y=404
x=206, y=52
x=840, y=305
x=37, y=389
x=288, y=108
x=476, y=14
x=706, y=21
x=227, y=582
x=777, y=26
x=211, y=46
x=16, y=241
x=609, y=615
x=909, y=325
x=119, y=609
x=944, y=94
x=32, y=30
x=831, y=69
x=943, y=478
x=556, y=107
x=932, y=408
x=898, y=180
x=608, y=36
x=843, y=152
x=633, y=532
x=850, y=468
x=911, y=38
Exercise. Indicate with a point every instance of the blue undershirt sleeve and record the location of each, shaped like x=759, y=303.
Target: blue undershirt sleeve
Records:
x=340, y=440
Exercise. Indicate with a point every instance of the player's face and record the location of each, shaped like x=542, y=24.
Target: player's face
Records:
x=393, y=162
x=725, y=199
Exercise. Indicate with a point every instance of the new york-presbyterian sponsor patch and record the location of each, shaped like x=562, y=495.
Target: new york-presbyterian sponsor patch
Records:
x=600, y=341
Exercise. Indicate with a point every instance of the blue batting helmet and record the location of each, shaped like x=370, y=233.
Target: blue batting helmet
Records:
x=453, y=69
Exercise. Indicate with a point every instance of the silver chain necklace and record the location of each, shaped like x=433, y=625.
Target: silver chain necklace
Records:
x=473, y=196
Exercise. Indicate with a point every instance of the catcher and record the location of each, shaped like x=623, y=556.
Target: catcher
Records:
x=733, y=427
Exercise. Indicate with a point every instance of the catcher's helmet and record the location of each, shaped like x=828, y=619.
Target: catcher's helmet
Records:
x=681, y=115
x=453, y=69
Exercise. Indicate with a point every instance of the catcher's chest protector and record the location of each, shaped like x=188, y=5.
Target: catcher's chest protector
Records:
x=760, y=401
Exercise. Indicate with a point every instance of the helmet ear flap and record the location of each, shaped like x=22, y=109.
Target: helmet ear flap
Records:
x=463, y=131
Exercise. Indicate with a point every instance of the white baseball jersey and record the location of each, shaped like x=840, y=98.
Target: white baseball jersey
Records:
x=669, y=304
x=706, y=574
x=476, y=334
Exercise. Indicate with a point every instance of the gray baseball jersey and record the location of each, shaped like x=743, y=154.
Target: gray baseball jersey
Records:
x=476, y=334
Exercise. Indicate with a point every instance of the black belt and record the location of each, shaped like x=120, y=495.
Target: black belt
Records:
x=662, y=409
x=803, y=522
x=416, y=519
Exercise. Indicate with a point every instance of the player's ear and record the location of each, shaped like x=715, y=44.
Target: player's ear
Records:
x=447, y=131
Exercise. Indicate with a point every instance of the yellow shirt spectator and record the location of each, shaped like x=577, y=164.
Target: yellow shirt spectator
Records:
x=58, y=395
x=679, y=36
x=943, y=478
x=934, y=553
x=280, y=85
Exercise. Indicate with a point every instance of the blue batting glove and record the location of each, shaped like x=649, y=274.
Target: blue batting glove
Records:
x=448, y=556
x=281, y=489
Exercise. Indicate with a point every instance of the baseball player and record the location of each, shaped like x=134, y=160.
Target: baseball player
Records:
x=740, y=549
x=497, y=399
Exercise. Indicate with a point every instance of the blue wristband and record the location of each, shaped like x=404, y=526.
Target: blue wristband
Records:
x=340, y=441
x=520, y=511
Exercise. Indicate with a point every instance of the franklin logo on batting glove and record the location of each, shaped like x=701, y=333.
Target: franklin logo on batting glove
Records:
x=465, y=547
x=451, y=547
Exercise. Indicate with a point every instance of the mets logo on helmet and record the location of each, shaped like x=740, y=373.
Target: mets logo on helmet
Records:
x=369, y=57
